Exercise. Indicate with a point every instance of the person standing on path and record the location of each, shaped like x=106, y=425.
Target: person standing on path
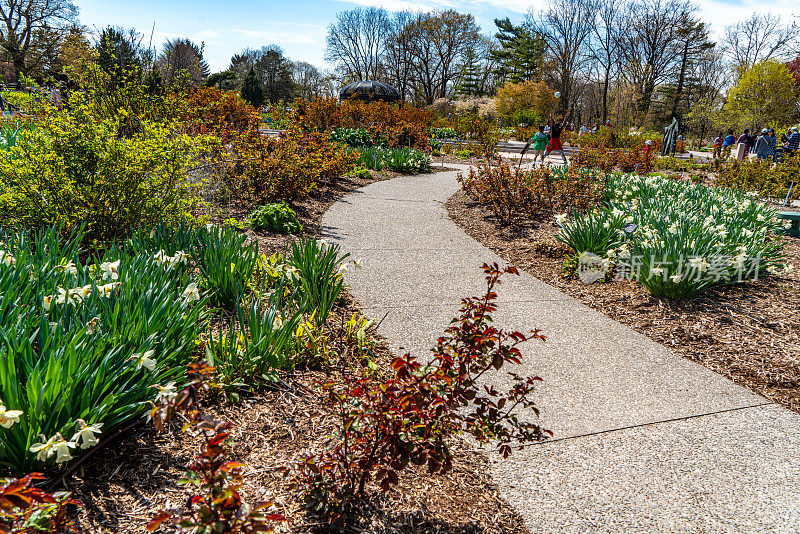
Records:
x=727, y=143
x=743, y=145
x=792, y=143
x=555, y=137
x=772, y=143
x=538, y=144
x=717, y=146
x=762, y=145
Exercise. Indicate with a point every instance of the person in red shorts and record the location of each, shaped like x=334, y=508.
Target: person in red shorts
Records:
x=555, y=137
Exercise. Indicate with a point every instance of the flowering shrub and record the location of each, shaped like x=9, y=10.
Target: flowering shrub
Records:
x=73, y=169
x=385, y=425
x=26, y=509
x=84, y=343
x=257, y=169
x=511, y=193
x=677, y=238
x=626, y=160
x=402, y=160
x=392, y=125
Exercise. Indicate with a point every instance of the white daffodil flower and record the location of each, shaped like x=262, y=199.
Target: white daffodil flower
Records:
x=181, y=257
x=8, y=417
x=62, y=448
x=699, y=263
x=65, y=296
x=86, y=434
x=107, y=289
x=144, y=359
x=358, y=264
x=70, y=268
x=160, y=257
x=277, y=324
x=191, y=293
x=616, y=213
x=760, y=217
x=7, y=258
x=322, y=243
x=657, y=271
x=676, y=278
x=166, y=393
x=44, y=449
x=343, y=268
x=110, y=270
x=788, y=268
x=561, y=218
x=47, y=302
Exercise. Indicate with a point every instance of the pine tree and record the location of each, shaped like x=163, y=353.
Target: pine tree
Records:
x=521, y=56
x=252, y=91
x=470, y=75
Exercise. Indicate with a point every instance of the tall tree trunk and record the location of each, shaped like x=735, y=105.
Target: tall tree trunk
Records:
x=681, y=78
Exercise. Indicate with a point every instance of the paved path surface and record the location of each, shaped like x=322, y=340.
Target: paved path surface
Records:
x=644, y=439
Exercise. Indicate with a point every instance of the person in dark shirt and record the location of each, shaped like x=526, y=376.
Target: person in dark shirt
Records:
x=792, y=143
x=555, y=137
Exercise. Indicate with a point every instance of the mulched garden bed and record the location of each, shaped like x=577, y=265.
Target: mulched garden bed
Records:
x=749, y=332
x=124, y=484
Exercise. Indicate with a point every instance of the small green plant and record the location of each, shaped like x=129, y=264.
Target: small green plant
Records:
x=276, y=217
x=226, y=264
x=319, y=270
x=402, y=160
x=361, y=173
x=255, y=344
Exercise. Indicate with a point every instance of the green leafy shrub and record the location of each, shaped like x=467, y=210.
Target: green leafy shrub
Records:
x=73, y=170
x=276, y=217
x=354, y=137
x=84, y=346
x=361, y=173
x=442, y=133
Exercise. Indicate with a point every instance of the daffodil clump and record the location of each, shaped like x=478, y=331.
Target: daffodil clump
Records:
x=677, y=238
x=85, y=344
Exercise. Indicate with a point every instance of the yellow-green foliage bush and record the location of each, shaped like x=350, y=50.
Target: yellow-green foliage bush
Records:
x=762, y=176
x=76, y=169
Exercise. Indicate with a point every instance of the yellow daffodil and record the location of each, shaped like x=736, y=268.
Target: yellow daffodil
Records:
x=47, y=302
x=43, y=449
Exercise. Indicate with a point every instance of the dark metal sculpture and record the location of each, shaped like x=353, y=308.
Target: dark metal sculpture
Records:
x=370, y=92
x=670, y=138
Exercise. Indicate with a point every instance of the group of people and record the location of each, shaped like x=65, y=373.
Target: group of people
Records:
x=548, y=139
x=764, y=145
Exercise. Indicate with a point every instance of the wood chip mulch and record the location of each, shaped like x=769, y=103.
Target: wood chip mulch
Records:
x=125, y=483
x=748, y=332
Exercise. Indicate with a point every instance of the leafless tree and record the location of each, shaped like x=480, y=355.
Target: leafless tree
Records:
x=567, y=27
x=24, y=22
x=648, y=46
x=605, y=45
x=356, y=41
x=398, y=58
x=762, y=36
x=438, y=39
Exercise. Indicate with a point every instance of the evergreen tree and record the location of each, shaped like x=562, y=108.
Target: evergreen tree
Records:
x=252, y=91
x=470, y=75
x=521, y=53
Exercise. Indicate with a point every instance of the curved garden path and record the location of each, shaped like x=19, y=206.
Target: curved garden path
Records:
x=644, y=439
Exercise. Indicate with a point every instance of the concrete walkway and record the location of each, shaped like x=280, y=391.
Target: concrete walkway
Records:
x=644, y=439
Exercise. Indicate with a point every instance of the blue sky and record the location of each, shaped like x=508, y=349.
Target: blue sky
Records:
x=300, y=26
